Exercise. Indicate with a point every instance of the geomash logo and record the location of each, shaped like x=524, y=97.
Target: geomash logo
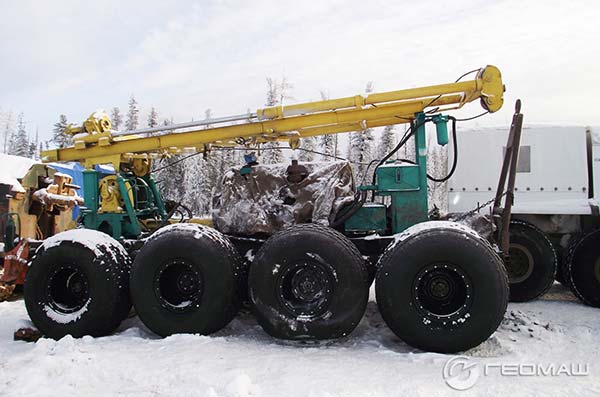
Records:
x=460, y=374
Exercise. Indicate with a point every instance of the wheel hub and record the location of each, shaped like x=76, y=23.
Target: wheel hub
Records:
x=187, y=282
x=520, y=265
x=440, y=287
x=442, y=292
x=67, y=289
x=306, y=288
x=178, y=285
x=307, y=284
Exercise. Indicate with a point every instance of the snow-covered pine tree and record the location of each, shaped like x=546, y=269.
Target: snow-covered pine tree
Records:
x=272, y=92
x=360, y=146
x=310, y=145
x=60, y=138
x=327, y=144
x=360, y=151
x=131, y=123
x=170, y=177
x=19, y=142
x=8, y=130
x=33, y=144
x=387, y=141
x=217, y=162
x=276, y=94
x=153, y=118
x=195, y=195
x=116, y=118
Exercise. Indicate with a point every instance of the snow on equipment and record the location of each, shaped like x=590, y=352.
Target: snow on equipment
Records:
x=35, y=202
x=306, y=229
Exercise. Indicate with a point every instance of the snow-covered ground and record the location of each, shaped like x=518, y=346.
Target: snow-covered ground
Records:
x=242, y=360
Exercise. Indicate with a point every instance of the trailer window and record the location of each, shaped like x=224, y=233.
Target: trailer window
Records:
x=524, y=161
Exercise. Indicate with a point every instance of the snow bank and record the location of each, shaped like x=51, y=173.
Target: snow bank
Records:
x=242, y=360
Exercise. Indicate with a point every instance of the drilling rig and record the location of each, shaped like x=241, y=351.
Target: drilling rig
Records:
x=440, y=286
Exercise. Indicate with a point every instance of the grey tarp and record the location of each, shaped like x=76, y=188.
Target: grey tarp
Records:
x=264, y=202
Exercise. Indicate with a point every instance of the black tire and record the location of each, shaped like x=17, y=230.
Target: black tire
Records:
x=308, y=282
x=565, y=277
x=533, y=263
x=440, y=287
x=583, y=269
x=560, y=266
x=78, y=284
x=186, y=279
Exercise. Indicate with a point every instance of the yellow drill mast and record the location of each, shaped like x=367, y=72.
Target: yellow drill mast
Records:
x=96, y=143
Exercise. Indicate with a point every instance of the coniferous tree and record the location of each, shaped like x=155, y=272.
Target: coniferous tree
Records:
x=277, y=92
x=59, y=136
x=196, y=194
x=153, y=118
x=360, y=146
x=33, y=145
x=131, y=123
x=8, y=130
x=327, y=144
x=327, y=147
x=116, y=118
x=387, y=141
x=213, y=166
x=310, y=145
x=19, y=142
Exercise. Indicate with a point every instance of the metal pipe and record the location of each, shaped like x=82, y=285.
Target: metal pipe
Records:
x=179, y=126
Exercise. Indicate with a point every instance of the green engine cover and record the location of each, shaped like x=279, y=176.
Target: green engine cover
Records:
x=371, y=217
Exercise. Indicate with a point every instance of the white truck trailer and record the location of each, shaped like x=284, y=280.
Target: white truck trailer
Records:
x=555, y=226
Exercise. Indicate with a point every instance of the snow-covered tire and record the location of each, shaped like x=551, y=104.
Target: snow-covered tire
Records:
x=533, y=263
x=77, y=285
x=308, y=282
x=186, y=279
x=440, y=287
x=583, y=269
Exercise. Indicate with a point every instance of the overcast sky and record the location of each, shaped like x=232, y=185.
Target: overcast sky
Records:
x=183, y=57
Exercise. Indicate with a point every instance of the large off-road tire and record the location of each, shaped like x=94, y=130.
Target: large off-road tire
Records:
x=308, y=282
x=440, y=287
x=560, y=266
x=583, y=268
x=186, y=279
x=567, y=254
x=533, y=263
x=78, y=285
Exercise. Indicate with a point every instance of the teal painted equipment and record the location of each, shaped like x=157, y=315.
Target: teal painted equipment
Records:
x=371, y=217
x=141, y=202
x=405, y=183
x=12, y=230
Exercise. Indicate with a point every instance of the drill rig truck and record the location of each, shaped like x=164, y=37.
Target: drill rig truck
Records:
x=440, y=286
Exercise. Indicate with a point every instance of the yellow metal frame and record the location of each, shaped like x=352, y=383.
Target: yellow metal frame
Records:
x=288, y=123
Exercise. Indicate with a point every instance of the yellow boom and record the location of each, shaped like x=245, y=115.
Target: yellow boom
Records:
x=96, y=143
